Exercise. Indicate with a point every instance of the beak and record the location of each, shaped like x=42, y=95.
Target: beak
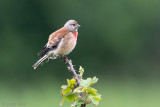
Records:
x=78, y=25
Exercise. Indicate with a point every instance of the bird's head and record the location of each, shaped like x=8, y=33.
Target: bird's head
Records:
x=72, y=26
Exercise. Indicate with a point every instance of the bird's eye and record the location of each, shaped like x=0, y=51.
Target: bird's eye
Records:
x=73, y=24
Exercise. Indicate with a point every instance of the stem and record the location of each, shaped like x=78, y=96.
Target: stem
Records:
x=71, y=68
x=83, y=105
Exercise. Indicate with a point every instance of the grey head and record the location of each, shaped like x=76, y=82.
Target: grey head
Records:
x=72, y=26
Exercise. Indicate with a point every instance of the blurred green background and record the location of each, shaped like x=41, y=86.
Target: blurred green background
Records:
x=118, y=42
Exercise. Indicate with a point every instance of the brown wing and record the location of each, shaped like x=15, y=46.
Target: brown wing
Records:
x=56, y=37
x=53, y=41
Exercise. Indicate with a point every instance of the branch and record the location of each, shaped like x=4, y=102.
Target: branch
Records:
x=71, y=68
x=83, y=105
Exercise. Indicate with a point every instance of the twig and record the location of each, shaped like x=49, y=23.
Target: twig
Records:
x=83, y=105
x=71, y=68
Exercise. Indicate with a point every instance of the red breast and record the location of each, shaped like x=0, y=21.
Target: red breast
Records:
x=75, y=34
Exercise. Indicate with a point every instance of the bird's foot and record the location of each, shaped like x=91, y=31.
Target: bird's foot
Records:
x=63, y=57
x=53, y=57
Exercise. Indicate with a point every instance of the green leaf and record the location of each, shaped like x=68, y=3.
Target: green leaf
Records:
x=86, y=83
x=98, y=95
x=84, y=89
x=65, y=91
x=74, y=104
x=77, y=102
x=71, y=83
x=64, y=98
x=78, y=90
x=91, y=91
x=95, y=100
x=94, y=80
x=88, y=100
x=70, y=97
x=69, y=87
x=63, y=86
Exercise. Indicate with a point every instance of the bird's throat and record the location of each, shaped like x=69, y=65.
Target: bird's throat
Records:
x=75, y=34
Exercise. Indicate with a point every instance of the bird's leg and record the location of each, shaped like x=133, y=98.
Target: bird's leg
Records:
x=52, y=56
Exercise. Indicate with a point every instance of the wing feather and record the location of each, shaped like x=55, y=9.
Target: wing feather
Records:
x=53, y=41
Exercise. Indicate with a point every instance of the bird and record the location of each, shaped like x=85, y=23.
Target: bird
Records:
x=60, y=43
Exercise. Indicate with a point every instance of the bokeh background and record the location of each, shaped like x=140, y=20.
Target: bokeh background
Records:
x=118, y=42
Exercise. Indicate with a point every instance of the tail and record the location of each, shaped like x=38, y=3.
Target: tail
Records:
x=35, y=66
